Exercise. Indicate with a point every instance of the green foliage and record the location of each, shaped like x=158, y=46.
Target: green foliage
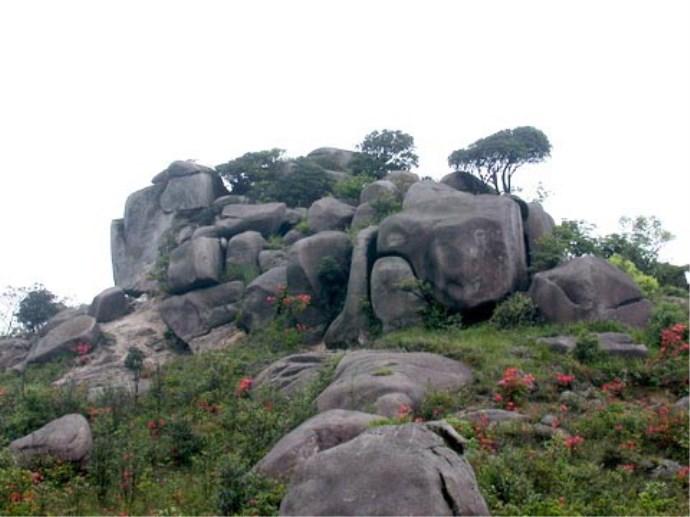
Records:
x=647, y=284
x=517, y=310
x=351, y=187
x=159, y=271
x=384, y=151
x=302, y=184
x=384, y=206
x=333, y=277
x=238, y=485
x=587, y=348
x=568, y=240
x=672, y=276
x=243, y=174
x=498, y=156
x=435, y=315
x=664, y=315
x=244, y=272
x=37, y=307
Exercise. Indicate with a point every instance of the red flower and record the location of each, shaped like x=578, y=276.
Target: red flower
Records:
x=498, y=397
x=629, y=467
x=613, y=388
x=404, y=411
x=563, y=408
x=571, y=442
x=36, y=477
x=244, y=386
x=683, y=473
x=16, y=497
x=564, y=380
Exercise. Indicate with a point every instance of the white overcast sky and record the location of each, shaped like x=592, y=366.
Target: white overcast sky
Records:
x=97, y=97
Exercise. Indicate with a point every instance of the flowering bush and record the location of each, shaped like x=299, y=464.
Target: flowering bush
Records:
x=573, y=442
x=564, y=380
x=82, y=350
x=513, y=387
x=674, y=341
x=613, y=388
x=244, y=386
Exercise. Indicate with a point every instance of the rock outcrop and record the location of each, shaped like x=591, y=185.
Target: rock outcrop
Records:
x=412, y=469
x=329, y=213
x=292, y=374
x=469, y=248
x=68, y=439
x=382, y=382
x=109, y=305
x=395, y=296
x=62, y=339
x=589, y=289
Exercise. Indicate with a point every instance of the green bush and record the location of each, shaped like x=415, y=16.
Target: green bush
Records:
x=384, y=206
x=351, y=187
x=647, y=284
x=587, y=348
x=663, y=316
x=37, y=307
x=516, y=311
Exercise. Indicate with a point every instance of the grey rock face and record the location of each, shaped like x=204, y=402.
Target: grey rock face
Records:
x=135, y=240
x=242, y=255
x=191, y=191
x=389, y=470
x=295, y=215
x=470, y=249
x=395, y=299
x=267, y=219
x=538, y=225
x=589, y=288
x=68, y=439
x=305, y=261
x=365, y=215
x=196, y=263
x=62, y=338
x=196, y=313
x=268, y=259
x=63, y=316
x=492, y=416
x=332, y=158
x=231, y=199
x=378, y=190
x=293, y=236
x=13, y=351
x=109, y=305
x=293, y=373
x=403, y=180
x=427, y=190
x=351, y=327
x=257, y=309
x=611, y=343
x=379, y=382
x=466, y=182
x=319, y=433
x=329, y=214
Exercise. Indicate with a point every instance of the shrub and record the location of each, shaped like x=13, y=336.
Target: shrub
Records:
x=647, y=284
x=384, y=206
x=587, y=348
x=37, y=307
x=517, y=310
x=351, y=187
x=567, y=240
x=301, y=185
x=663, y=316
x=183, y=442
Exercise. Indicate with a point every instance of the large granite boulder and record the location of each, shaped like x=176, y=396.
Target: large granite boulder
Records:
x=242, y=255
x=136, y=239
x=180, y=168
x=194, y=264
x=395, y=297
x=268, y=259
x=13, y=351
x=538, y=225
x=109, y=305
x=332, y=158
x=412, y=469
x=306, y=261
x=61, y=340
x=196, y=313
x=319, y=433
x=379, y=190
x=258, y=306
x=63, y=316
x=292, y=374
x=329, y=213
x=365, y=215
x=466, y=182
x=611, y=343
x=403, y=180
x=380, y=382
x=267, y=219
x=191, y=192
x=67, y=439
x=469, y=248
x=352, y=326
x=589, y=288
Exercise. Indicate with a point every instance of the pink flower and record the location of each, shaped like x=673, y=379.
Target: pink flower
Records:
x=243, y=386
x=564, y=380
x=571, y=442
x=404, y=411
x=498, y=397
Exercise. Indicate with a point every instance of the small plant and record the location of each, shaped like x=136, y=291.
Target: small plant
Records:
x=159, y=271
x=516, y=311
x=134, y=362
x=514, y=387
x=385, y=205
x=244, y=272
x=587, y=348
x=351, y=187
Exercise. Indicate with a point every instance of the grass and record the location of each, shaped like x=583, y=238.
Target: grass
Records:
x=187, y=446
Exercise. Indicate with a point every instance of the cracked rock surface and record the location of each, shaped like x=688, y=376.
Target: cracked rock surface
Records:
x=411, y=469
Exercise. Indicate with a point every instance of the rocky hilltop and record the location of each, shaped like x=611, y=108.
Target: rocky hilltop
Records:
x=197, y=267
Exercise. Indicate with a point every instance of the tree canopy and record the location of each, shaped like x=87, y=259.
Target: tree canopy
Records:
x=385, y=151
x=37, y=307
x=496, y=158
